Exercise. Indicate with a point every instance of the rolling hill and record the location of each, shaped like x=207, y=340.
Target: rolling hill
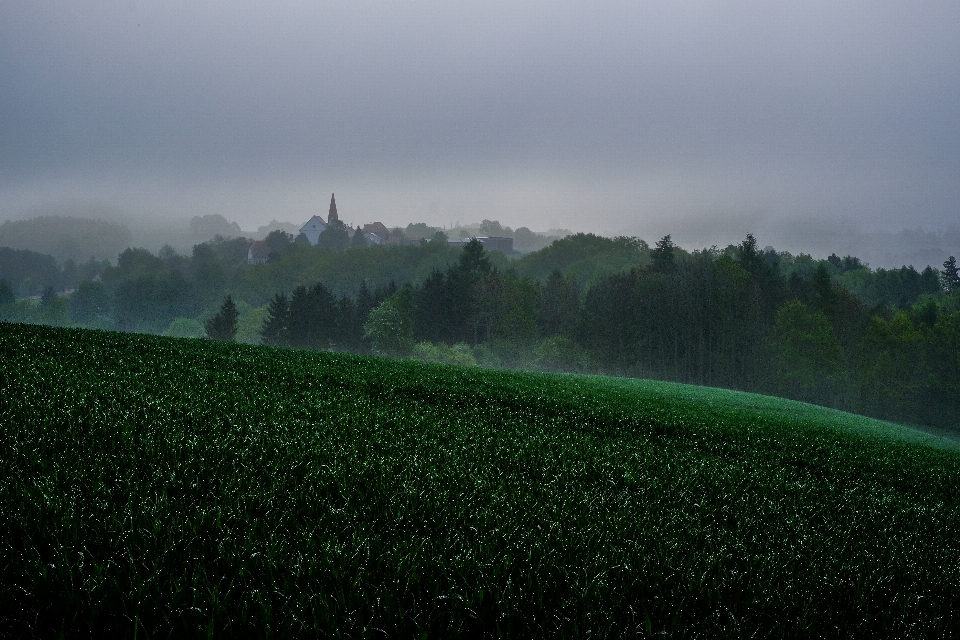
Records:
x=154, y=486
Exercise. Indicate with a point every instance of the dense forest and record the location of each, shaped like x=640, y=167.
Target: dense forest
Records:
x=885, y=343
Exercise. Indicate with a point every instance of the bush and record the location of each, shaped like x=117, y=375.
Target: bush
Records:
x=389, y=330
x=560, y=353
x=459, y=354
x=185, y=328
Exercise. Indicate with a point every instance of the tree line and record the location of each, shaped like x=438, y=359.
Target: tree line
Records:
x=738, y=319
x=833, y=331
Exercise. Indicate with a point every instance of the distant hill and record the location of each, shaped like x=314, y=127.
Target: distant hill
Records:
x=586, y=256
x=67, y=238
x=158, y=486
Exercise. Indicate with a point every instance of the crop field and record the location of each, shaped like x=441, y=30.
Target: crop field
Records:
x=154, y=487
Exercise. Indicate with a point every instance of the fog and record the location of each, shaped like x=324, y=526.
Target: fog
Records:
x=818, y=126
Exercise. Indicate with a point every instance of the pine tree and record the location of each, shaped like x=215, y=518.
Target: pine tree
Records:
x=275, y=328
x=358, y=239
x=749, y=257
x=663, y=258
x=223, y=326
x=559, y=305
x=951, y=275
x=823, y=294
x=473, y=264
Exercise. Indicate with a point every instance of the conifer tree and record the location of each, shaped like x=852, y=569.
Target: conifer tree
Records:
x=749, y=257
x=274, y=331
x=358, y=240
x=663, y=259
x=951, y=275
x=223, y=326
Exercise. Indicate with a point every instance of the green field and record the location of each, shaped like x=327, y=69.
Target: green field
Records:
x=153, y=486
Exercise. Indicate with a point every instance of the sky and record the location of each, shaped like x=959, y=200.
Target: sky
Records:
x=707, y=119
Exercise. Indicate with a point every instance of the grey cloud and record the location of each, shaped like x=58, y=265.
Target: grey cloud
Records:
x=791, y=109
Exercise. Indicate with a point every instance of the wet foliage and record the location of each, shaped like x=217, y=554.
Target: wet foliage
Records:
x=156, y=486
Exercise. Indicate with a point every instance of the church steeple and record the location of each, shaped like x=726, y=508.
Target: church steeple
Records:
x=333, y=210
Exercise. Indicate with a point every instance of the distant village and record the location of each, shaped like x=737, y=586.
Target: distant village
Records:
x=373, y=233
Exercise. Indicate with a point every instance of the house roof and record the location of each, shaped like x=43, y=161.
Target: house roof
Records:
x=377, y=228
x=314, y=223
x=259, y=249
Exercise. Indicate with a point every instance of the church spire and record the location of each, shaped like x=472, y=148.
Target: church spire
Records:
x=333, y=210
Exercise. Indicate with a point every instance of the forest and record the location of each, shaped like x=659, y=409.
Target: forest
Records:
x=884, y=343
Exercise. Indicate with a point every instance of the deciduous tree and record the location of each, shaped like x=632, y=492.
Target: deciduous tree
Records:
x=335, y=237
x=807, y=351
x=6, y=293
x=389, y=329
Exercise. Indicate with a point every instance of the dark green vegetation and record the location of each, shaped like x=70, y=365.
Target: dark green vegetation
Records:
x=29, y=273
x=155, y=486
x=884, y=343
x=742, y=319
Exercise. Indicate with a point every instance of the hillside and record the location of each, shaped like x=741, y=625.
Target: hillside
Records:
x=67, y=238
x=156, y=486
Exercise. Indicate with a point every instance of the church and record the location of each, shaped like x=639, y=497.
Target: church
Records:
x=315, y=226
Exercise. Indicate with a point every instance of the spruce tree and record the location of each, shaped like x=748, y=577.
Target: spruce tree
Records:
x=358, y=239
x=951, y=275
x=275, y=327
x=749, y=257
x=663, y=259
x=223, y=326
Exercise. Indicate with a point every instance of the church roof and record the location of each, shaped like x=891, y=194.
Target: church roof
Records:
x=332, y=215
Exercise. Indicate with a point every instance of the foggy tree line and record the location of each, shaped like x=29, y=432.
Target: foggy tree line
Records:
x=722, y=318
x=830, y=331
x=736, y=321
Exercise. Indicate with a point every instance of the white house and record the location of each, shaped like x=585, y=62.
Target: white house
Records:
x=491, y=243
x=313, y=228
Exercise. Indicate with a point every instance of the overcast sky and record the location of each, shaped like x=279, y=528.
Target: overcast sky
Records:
x=707, y=119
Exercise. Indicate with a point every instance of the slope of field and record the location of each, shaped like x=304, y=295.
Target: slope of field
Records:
x=152, y=486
